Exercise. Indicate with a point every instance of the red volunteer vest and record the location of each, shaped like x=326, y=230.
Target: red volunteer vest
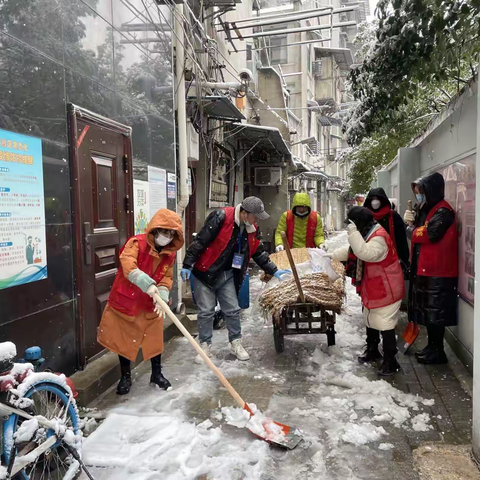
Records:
x=126, y=297
x=382, y=282
x=214, y=250
x=311, y=227
x=438, y=259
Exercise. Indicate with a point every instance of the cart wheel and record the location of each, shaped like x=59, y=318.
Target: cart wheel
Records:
x=278, y=339
x=331, y=336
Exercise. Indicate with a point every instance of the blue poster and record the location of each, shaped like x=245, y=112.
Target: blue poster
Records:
x=23, y=250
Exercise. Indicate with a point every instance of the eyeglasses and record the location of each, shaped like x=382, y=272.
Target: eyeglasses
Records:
x=164, y=231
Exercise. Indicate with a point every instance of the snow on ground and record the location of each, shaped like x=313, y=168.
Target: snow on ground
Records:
x=344, y=415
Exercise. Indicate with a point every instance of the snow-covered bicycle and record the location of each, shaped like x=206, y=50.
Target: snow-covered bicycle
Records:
x=40, y=436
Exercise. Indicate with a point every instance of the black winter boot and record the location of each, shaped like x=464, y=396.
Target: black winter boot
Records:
x=390, y=366
x=157, y=377
x=431, y=343
x=436, y=353
x=371, y=353
x=125, y=382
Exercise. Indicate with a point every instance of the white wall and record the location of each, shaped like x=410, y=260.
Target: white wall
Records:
x=451, y=138
x=476, y=331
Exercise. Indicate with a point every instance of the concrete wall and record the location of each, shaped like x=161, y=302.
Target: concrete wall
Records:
x=476, y=331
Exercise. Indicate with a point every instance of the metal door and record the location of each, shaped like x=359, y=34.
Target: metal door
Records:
x=101, y=158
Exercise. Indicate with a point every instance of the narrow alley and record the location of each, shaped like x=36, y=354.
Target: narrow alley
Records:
x=354, y=425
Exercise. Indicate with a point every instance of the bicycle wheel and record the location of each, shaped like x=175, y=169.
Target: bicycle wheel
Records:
x=52, y=402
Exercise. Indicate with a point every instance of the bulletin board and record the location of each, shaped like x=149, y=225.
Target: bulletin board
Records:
x=460, y=193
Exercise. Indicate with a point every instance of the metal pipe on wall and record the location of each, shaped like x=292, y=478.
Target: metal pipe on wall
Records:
x=271, y=33
x=181, y=112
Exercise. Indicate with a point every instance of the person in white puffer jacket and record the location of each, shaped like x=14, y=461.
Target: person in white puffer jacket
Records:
x=372, y=262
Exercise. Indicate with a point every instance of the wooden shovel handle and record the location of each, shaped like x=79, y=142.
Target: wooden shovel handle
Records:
x=241, y=403
x=292, y=266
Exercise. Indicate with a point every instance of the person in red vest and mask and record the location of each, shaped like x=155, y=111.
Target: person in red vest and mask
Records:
x=302, y=226
x=372, y=262
x=218, y=258
x=131, y=320
x=433, y=279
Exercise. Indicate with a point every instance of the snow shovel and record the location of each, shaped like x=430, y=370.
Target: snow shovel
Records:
x=292, y=266
x=289, y=440
x=410, y=334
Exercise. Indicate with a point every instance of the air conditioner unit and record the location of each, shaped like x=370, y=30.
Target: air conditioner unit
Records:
x=317, y=68
x=268, y=176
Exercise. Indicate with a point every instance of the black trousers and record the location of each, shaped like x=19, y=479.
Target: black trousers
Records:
x=436, y=335
x=389, y=342
x=156, y=361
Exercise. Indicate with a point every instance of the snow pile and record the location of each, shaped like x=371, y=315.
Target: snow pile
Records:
x=358, y=434
x=167, y=447
x=420, y=423
x=8, y=351
x=386, y=446
x=257, y=423
x=26, y=431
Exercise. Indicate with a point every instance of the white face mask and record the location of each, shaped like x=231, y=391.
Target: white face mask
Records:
x=162, y=240
x=247, y=224
x=304, y=214
x=376, y=204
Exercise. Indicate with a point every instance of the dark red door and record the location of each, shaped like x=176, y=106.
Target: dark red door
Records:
x=103, y=219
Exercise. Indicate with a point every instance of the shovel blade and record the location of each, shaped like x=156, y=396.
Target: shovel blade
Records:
x=410, y=334
x=291, y=439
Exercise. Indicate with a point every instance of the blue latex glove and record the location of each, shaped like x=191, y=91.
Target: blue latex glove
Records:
x=185, y=274
x=280, y=273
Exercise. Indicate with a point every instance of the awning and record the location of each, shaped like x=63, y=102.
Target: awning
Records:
x=343, y=56
x=219, y=107
x=268, y=139
x=317, y=175
x=299, y=165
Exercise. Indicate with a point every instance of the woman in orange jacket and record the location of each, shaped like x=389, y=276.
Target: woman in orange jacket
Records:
x=131, y=319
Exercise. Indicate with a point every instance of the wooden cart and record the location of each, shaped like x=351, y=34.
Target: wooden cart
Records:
x=303, y=319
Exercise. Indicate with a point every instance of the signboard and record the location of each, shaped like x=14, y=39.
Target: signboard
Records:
x=172, y=180
x=157, y=180
x=460, y=194
x=141, y=207
x=23, y=250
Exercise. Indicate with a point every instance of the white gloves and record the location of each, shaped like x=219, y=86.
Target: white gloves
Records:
x=152, y=290
x=409, y=216
x=164, y=294
x=351, y=227
x=279, y=248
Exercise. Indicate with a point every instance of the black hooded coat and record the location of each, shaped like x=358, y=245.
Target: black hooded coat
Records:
x=432, y=300
x=401, y=242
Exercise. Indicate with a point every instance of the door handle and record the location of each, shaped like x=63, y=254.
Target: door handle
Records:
x=87, y=230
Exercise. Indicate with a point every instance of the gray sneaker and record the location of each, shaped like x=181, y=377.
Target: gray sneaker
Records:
x=207, y=348
x=236, y=348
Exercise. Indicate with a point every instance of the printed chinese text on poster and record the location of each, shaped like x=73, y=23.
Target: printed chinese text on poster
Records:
x=23, y=251
x=157, y=179
x=460, y=193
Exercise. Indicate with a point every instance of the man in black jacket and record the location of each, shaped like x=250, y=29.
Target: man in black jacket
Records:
x=432, y=298
x=219, y=258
